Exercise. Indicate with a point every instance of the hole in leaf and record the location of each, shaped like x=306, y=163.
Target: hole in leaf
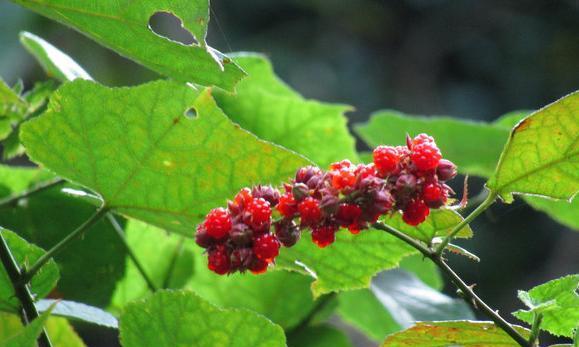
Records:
x=191, y=113
x=169, y=26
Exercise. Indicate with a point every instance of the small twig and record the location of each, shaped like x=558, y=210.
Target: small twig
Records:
x=21, y=290
x=29, y=273
x=467, y=292
x=171, y=268
x=129, y=250
x=13, y=200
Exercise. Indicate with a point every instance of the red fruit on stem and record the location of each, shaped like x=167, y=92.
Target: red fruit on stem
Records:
x=425, y=156
x=365, y=171
x=324, y=235
x=202, y=238
x=218, y=223
x=258, y=266
x=287, y=205
x=243, y=198
x=348, y=215
x=259, y=211
x=344, y=164
x=386, y=159
x=218, y=261
x=343, y=178
x=415, y=213
x=310, y=212
x=422, y=138
x=432, y=192
x=266, y=247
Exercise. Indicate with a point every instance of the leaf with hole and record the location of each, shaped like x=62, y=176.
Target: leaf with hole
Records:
x=181, y=318
x=124, y=27
x=174, y=168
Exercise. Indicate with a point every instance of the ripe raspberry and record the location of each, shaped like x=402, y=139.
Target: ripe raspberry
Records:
x=434, y=195
x=386, y=159
x=343, y=179
x=258, y=266
x=260, y=212
x=344, y=164
x=422, y=138
x=415, y=213
x=219, y=261
x=364, y=171
x=348, y=215
x=446, y=170
x=266, y=247
x=324, y=235
x=310, y=211
x=287, y=205
x=425, y=156
x=218, y=223
x=243, y=198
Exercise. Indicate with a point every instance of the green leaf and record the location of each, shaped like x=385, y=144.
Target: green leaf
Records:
x=156, y=251
x=562, y=318
x=11, y=104
x=511, y=119
x=54, y=62
x=181, y=318
x=25, y=253
x=438, y=224
x=541, y=156
x=459, y=140
x=167, y=169
x=319, y=336
x=78, y=312
x=23, y=336
x=266, y=106
x=564, y=212
x=14, y=179
x=453, y=333
x=58, y=329
x=347, y=264
x=89, y=267
x=124, y=27
x=424, y=269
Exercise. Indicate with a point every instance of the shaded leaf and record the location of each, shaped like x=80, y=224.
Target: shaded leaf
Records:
x=438, y=224
x=25, y=254
x=174, y=168
x=266, y=106
x=78, y=311
x=54, y=62
x=181, y=318
x=542, y=154
x=511, y=119
x=450, y=333
x=124, y=27
x=319, y=336
x=562, y=317
x=24, y=336
x=59, y=330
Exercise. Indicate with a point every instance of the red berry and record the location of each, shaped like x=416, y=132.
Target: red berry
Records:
x=344, y=164
x=425, y=156
x=348, y=215
x=218, y=223
x=266, y=247
x=324, y=235
x=310, y=212
x=415, y=213
x=343, y=178
x=431, y=192
x=260, y=212
x=219, y=261
x=243, y=198
x=202, y=238
x=386, y=159
x=365, y=171
x=287, y=205
x=258, y=266
x=422, y=138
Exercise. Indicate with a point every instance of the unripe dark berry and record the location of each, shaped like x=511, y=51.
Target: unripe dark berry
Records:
x=219, y=261
x=266, y=247
x=287, y=205
x=260, y=212
x=300, y=191
x=406, y=184
x=386, y=159
x=310, y=212
x=241, y=235
x=258, y=266
x=218, y=223
x=324, y=235
x=202, y=238
x=415, y=212
x=446, y=170
x=268, y=193
x=287, y=233
x=425, y=156
x=304, y=174
x=241, y=259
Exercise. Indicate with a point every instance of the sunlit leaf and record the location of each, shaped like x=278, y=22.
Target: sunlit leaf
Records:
x=25, y=336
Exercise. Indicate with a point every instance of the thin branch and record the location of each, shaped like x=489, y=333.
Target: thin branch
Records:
x=13, y=200
x=466, y=290
x=129, y=250
x=97, y=216
x=21, y=290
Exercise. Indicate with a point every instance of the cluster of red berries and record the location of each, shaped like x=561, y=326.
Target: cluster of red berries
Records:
x=249, y=233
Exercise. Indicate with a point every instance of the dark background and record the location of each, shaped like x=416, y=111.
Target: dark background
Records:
x=467, y=59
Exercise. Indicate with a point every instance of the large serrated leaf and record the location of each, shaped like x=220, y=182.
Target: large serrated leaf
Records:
x=181, y=318
x=453, y=333
x=266, y=106
x=562, y=317
x=542, y=154
x=146, y=158
x=25, y=253
x=124, y=27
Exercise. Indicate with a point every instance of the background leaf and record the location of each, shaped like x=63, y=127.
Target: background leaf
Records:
x=124, y=27
x=319, y=336
x=174, y=168
x=24, y=336
x=542, y=154
x=266, y=106
x=181, y=318
x=60, y=331
x=78, y=311
x=563, y=318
